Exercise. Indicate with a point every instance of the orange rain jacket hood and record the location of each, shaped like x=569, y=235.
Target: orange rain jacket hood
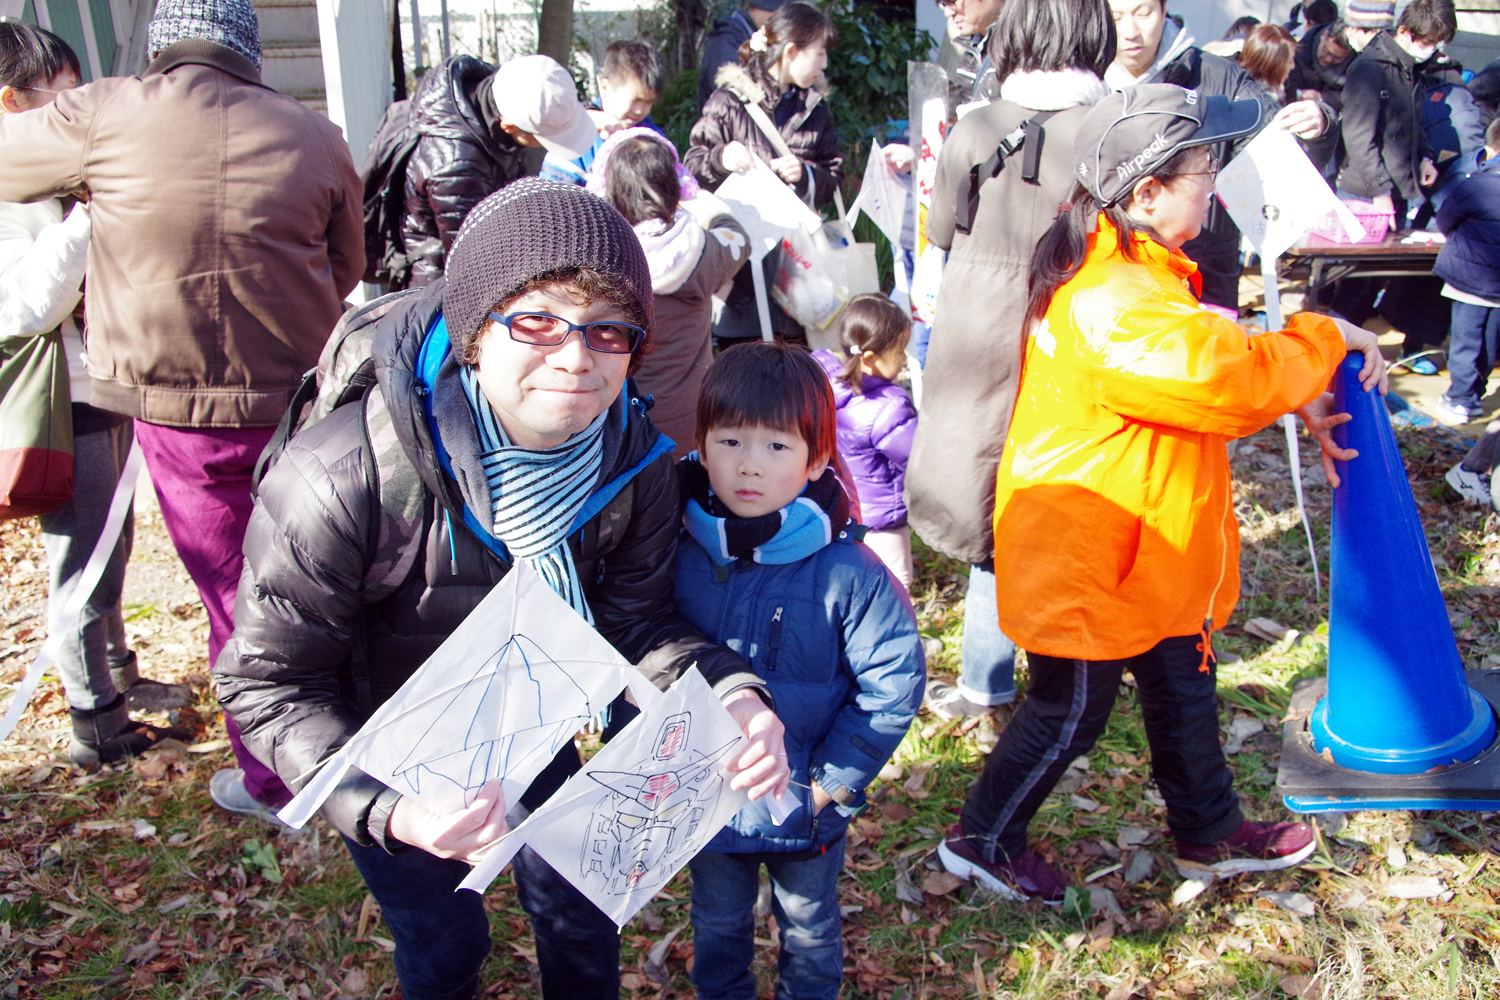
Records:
x=1114, y=527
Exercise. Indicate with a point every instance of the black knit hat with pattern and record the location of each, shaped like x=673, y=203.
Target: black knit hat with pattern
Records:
x=530, y=227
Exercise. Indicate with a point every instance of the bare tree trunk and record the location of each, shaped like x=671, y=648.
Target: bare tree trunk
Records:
x=692, y=18
x=555, y=30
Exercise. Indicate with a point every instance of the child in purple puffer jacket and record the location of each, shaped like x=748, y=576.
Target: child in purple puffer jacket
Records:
x=876, y=420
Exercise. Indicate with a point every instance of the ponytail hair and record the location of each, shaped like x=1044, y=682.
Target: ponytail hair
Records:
x=797, y=23
x=870, y=322
x=1060, y=252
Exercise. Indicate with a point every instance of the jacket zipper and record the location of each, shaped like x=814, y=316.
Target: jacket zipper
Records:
x=775, y=640
x=1206, y=647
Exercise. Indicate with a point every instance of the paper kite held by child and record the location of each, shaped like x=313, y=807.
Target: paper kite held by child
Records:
x=501, y=696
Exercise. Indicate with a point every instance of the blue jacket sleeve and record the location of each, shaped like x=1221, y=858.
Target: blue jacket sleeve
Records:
x=884, y=651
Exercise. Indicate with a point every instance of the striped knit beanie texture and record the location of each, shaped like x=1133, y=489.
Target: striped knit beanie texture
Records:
x=231, y=23
x=524, y=230
x=1371, y=14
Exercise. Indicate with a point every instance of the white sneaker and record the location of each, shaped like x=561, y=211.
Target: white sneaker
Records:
x=1472, y=486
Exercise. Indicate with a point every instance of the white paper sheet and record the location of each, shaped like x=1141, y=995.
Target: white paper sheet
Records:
x=883, y=195
x=501, y=696
x=766, y=207
x=1275, y=195
x=621, y=828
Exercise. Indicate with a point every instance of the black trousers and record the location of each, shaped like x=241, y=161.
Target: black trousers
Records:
x=1067, y=706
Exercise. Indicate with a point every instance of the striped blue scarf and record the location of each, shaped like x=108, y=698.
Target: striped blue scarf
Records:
x=535, y=495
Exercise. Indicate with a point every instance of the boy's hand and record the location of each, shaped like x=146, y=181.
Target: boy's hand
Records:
x=761, y=766
x=1429, y=172
x=465, y=835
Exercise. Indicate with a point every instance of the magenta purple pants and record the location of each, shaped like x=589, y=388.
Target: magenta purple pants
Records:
x=202, y=479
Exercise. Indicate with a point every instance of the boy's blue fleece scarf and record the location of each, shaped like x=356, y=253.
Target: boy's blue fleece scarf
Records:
x=794, y=532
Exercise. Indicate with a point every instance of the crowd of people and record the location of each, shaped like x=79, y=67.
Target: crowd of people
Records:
x=701, y=496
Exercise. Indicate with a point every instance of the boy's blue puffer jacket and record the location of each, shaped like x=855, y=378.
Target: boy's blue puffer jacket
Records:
x=1470, y=216
x=834, y=637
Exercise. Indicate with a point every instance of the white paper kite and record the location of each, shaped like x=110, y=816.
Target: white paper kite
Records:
x=501, y=696
x=641, y=807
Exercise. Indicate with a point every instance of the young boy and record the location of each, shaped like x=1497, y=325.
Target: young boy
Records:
x=770, y=565
x=630, y=79
x=1470, y=264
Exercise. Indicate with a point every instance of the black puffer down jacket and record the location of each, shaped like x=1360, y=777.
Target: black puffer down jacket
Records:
x=458, y=162
x=1383, y=140
x=801, y=116
x=287, y=675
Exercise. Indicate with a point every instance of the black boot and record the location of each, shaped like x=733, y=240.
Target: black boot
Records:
x=144, y=694
x=104, y=735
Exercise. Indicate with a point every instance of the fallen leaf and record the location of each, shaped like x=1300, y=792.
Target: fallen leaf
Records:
x=1266, y=628
x=1286, y=961
x=142, y=830
x=1241, y=729
x=1414, y=887
x=210, y=747
x=1138, y=868
x=1190, y=890
x=1122, y=991
x=941, y=883
x=1083, y=802
x=1127, y=837
x=1302, y=987
x=384, y=944
x=895, y=812
x=906, y=889
x=1293, y=902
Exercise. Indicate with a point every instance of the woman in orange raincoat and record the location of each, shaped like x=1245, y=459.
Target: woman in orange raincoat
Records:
x=1113, y=514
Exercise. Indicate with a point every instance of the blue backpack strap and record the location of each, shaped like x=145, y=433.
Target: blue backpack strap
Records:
x=435, y=349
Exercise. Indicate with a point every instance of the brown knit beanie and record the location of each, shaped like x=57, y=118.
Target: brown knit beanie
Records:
x=530, y=227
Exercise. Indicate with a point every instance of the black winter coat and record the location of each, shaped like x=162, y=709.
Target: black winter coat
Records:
x=801, y=116
x=458, y=162
x=1309, y=74
x=287, y=674
x=1383, y=140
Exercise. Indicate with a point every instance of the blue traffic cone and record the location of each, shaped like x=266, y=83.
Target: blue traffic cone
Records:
x=1398, y=701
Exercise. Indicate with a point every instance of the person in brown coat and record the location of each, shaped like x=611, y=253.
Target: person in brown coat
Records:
x=1049, y=56
x=693, y=247
x=228, y=226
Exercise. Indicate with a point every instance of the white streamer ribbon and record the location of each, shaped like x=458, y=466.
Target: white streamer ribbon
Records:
x=93, y=571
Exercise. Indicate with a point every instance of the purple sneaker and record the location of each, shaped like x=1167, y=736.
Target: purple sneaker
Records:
x=1019, y=879
x=1254, y=847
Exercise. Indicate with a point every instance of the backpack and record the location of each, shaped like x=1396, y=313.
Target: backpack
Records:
x=384, y=175
x=1029, y=134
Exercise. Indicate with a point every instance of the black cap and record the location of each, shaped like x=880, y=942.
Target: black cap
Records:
x=1134, y=131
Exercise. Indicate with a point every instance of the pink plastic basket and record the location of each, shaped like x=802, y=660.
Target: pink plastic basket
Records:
x=1375, y=222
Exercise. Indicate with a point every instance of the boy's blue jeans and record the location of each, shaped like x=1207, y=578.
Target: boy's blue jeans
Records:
x=1473, y=341
x=442, y=936
x=805, y=901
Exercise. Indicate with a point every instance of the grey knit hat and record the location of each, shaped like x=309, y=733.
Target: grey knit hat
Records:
x=530, y=227
x=229, y=22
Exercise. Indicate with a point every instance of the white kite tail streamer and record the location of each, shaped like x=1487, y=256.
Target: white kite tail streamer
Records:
x=1289, y=421
x=93, y=570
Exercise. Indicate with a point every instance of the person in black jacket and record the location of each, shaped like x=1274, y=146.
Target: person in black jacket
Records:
x=722, y=44
x=1154, y=47
x=1321, y=65
x=1387, y=159
x=474, y=121
x=477, y=374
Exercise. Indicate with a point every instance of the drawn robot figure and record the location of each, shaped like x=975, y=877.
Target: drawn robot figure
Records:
x=651, y=817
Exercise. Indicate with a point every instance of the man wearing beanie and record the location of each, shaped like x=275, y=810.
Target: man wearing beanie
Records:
x=517, y=358
x=228, y=225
